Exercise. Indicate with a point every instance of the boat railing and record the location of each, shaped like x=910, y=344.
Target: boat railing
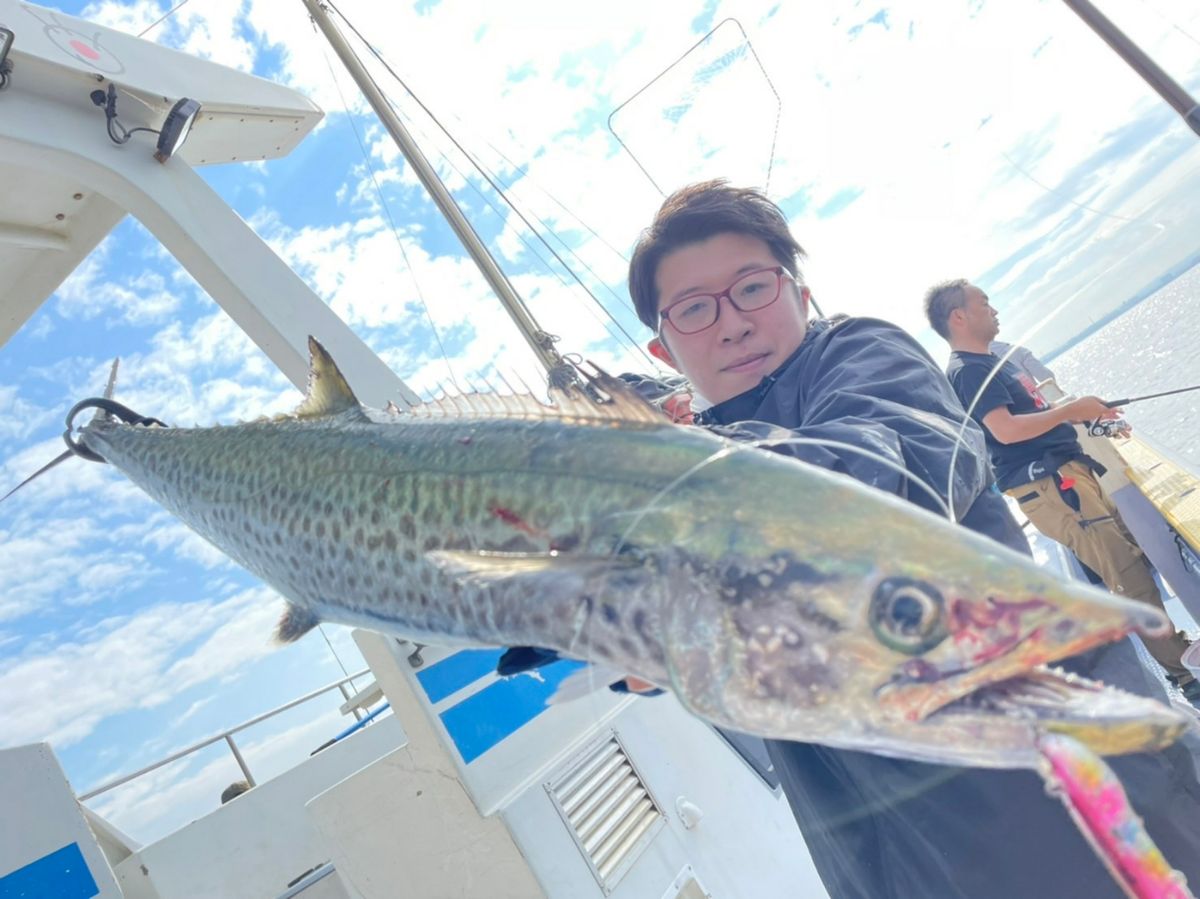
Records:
x=227, y=736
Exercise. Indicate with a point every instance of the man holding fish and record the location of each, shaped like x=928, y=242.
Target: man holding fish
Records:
x=848, y=624
x=716, y=277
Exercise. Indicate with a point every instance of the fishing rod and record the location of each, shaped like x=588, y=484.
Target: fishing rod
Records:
x=1149, y=396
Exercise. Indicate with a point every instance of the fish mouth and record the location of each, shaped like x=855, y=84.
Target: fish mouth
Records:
x=919, y=689
x=996, y=689
x=1107, y=720
x=993, y=641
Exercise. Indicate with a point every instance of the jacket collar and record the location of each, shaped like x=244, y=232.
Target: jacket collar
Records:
x=743, y=406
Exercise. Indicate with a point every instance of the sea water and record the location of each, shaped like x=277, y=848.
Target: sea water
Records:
x=1153, y=347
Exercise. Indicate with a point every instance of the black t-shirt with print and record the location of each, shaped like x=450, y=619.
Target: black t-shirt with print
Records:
x=970, y=375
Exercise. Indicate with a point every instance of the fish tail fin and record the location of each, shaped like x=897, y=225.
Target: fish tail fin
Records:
x=109, y=387
x=295, y=623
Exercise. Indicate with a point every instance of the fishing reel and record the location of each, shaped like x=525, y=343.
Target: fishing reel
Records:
x=1109, y=427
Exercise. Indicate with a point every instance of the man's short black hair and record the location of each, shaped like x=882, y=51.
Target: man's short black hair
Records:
x=941, y=300
x=695, y=213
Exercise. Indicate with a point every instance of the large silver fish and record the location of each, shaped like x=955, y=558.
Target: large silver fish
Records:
x=773, y=597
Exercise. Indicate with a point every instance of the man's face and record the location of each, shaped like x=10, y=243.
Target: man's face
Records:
x=741, y=348
x=979, y=319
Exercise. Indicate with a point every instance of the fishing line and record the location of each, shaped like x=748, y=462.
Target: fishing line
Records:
x=768, y=442
x=960, y=438
x=1175, y=25
x=682, y=57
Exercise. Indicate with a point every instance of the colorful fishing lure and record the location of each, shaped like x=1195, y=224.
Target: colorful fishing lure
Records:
x=1097, y=802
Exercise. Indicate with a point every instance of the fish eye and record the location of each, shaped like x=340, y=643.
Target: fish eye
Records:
x=907, y=615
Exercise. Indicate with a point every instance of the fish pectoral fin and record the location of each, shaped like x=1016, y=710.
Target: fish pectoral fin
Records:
x=295, y=623
x=488, y=568
x=328, y=391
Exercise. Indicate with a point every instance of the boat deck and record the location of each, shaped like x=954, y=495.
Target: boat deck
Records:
x=1173, y=489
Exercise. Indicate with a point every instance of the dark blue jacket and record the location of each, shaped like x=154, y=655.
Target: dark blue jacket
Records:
x=867, y=384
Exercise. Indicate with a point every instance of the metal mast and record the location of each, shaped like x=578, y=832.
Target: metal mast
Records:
x=560, y=373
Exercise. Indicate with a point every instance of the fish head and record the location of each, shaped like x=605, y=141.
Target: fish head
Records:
x=945, y=662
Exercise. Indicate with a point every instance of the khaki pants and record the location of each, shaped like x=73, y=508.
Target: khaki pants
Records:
x=1099, y=538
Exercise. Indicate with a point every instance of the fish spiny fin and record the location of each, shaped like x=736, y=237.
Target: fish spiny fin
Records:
x=603, y=400
x=295, y=623
x=328, y=393
x=619, y=401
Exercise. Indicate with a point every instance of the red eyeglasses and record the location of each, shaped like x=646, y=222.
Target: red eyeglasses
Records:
x=750, y=292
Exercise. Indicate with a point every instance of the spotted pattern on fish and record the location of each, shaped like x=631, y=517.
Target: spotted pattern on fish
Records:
x=743, y=580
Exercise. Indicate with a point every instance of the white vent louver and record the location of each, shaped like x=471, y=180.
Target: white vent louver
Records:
x=607, y=808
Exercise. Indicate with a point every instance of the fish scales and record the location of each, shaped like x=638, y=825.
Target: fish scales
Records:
x=335, y=520
x=772, y=597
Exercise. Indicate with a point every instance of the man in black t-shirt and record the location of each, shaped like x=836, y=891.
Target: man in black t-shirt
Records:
x=1038, y=459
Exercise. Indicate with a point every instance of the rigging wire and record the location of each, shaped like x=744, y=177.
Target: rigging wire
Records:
x=501, y=192
x=582, y=262
x=1175, y=25
x=391, y=221
x=630, y=341
x=170, y=12
x=522, y=170
x=682, y=57
x=510, y=199
x=491, y=182
x=1063, y=196
x=549, y=230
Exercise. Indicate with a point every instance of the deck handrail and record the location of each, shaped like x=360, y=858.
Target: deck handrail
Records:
x=226, y=735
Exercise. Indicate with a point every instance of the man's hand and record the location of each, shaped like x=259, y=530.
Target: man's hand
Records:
x=1009, y=428
x=678, y=407
x=1089, y=408
x=637, y=685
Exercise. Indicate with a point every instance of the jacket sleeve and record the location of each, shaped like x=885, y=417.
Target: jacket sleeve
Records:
x=877, y=397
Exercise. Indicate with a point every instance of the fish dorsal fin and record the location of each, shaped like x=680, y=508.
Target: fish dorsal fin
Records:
x=602, y=400
x=327, y=393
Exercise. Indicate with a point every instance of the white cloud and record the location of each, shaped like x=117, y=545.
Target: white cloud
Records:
x=92, y=290
x=60, y=561
x=20, y=418
x=129, y=662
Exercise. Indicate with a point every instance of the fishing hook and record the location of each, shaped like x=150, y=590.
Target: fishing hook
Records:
x=109, y=407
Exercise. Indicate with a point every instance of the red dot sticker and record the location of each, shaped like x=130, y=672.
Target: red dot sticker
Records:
x=85, y=50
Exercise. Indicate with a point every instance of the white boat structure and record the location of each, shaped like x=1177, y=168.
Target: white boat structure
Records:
x=472, y=786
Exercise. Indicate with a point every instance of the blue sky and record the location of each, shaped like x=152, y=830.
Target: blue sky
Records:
x=913, y=142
